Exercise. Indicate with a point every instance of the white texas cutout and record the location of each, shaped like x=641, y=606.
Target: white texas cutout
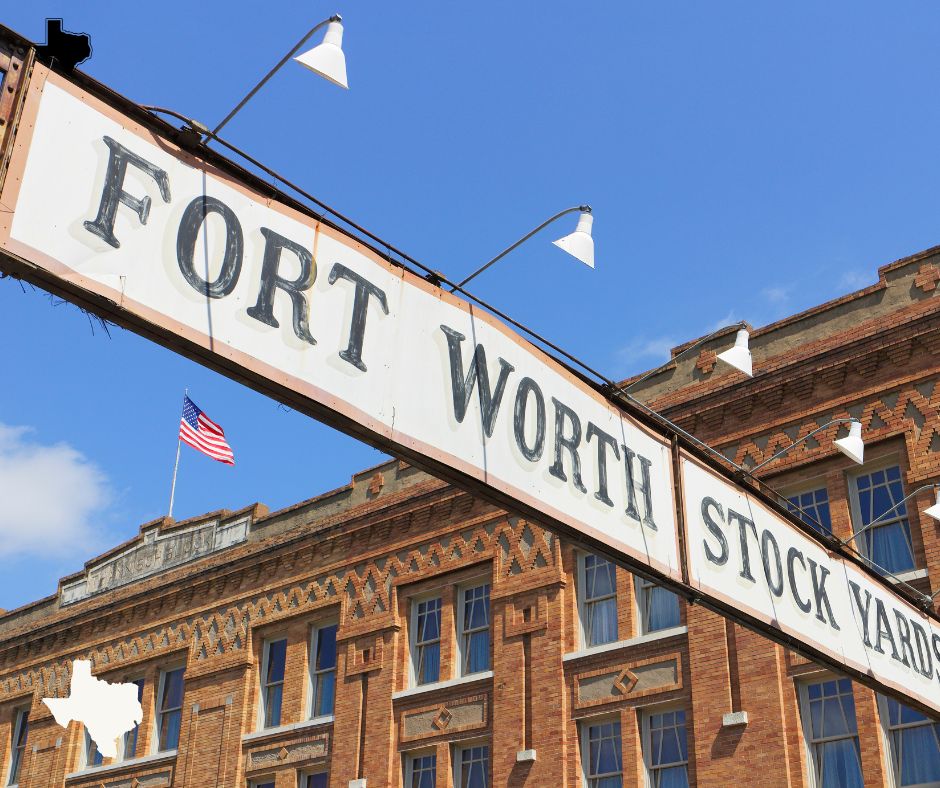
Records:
x=106, y=710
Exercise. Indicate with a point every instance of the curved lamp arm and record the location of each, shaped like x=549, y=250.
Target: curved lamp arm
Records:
x=691, y=347
x=273, y=71
x=526, y=237
x=780, y=453
x=884, y=515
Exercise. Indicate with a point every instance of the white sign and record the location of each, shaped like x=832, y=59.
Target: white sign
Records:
x=113, y=209
x=742, y=553
x=109, y=212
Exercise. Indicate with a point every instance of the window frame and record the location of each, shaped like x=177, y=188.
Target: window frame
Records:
x=641, y=587
x=120, y=741
x=806, y=726
x=892, y=765
x=262, y=681
x=855, y=511
x=581, y=594
x=410, y=757
x=313, y=674
x=813, y=485
x=413, y=644
x=260, y=782
x=20, y=717
x=584, y=742
x=459, y=619
x=456, y=757
x=646, y=742
x=158, y=712
x=304, y=775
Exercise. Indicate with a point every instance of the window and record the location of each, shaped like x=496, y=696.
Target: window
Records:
x=472, y=767
x=474, y=625
x=318, y=780
x=915, y=745
x=658, y=607
x=128, y=749
x=421, y=770
x=815, y=509
x=266, y=783
x=18, y=743
x=665, y=749
x=93, y=756
x=272, y=684
x=888, y=544
x=169, y=709
x=323, y=670
x=598, y=585
x=831, y=733
x=602, y=754
x=426, y=654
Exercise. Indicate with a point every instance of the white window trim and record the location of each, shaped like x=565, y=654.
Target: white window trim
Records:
x=158, y=712
x=659, y=634
x=439, y=685
x=459, y=619
x=255, y=782
x=262, y=681
x=581, y=594
x=131, y=763
x=413, y=636
x=311, y=668
x=887, y=741
x=803, y=692
x=410, y=756
x=855, y=510
x=18, y=713
x=456, y=755
x=291, y=727
x=646, y=739
x=584, y=742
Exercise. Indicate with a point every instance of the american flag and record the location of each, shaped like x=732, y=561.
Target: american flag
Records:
x=203, y=434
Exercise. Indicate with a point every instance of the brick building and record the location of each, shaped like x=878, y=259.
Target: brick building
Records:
x=400, y=632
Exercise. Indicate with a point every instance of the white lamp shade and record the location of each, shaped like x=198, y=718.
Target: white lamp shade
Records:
x=852, y=445
x=327, y=58
x=739, y=356
x=934, y=511
x=580, y=244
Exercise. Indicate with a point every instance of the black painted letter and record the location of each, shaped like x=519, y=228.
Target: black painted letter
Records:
x=193, y=218
x=357, y=328
x=628, y=455
x=263, y=310
x=527, y=385
x=604, y=442
x=571, y=442
x=719, y=559
x=113, y=193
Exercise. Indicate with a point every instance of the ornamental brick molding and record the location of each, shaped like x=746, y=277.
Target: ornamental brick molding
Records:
x=442, y=720
x=927, y=277
x=626, y=680
x=706, y=361
x=363, y=592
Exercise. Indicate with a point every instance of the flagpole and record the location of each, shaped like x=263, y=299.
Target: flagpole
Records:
x=176, y=467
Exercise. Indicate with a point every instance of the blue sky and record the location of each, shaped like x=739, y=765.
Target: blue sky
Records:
x=744, y=161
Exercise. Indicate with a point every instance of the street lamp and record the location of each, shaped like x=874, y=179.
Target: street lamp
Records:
x=578, y=244
x=326, y=59
x=738, y=357
x=852, y=446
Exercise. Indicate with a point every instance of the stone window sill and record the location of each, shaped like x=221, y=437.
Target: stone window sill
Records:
x=439, y=685
x=131, y=763
x=619, y=644
x=906, y=577
x=326, y=719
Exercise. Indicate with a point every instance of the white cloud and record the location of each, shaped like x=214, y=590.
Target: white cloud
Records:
x=51, y=497
x=658, y=349
x=855, y=280
x=776, y=294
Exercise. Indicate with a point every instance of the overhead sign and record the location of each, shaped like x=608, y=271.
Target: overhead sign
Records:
x=117, y=217
x=744, y=554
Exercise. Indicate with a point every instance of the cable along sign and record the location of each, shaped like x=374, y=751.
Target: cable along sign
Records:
x=110, y=213
x=742, y=553
x=106, y=206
